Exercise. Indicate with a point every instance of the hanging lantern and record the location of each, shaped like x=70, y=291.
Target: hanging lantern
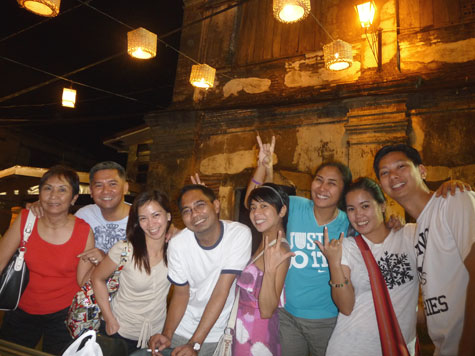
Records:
x=141, y=43
x=69, y=97
x=366, y=13
x=338, y=55
x=288, y=11
x=202, y=76
x=48, y=8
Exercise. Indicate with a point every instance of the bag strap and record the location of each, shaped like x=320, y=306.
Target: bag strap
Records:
x=28, y=229
x=233, y=315
x=272, y=243
x=123, y=258
x=390, y=335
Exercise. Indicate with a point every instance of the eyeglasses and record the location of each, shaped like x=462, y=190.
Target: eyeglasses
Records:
x=197, y=207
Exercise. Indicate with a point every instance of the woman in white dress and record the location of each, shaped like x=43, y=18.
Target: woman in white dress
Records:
x=356, y=330
x=138, y=310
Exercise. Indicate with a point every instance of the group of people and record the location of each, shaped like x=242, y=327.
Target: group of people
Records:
x=305, y=290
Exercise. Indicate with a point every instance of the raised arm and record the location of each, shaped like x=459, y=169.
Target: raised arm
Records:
x=98, y=278
x=211, y=313
x=343, y=293
x=276, y=265
x=264, y=171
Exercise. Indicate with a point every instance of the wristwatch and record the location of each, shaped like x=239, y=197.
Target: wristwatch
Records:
x=196, y=346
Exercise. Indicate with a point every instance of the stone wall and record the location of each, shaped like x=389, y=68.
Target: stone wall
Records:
x=271, y=80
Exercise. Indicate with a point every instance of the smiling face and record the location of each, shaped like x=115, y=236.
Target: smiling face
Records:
x=327, y=187
x=364, y=212
x=264, y=216
x=199, y=214
x=56, y=195
x=108, y=189
x=153, y=220
x=399, y=177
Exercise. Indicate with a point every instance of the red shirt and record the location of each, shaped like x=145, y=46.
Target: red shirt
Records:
x=53, y=269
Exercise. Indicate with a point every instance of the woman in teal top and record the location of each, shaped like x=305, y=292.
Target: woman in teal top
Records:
x=309, y=316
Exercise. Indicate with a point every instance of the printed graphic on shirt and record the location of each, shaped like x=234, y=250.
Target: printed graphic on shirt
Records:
x=107, y=235
x=420, y=247
x=395, y=269
x=306, y=251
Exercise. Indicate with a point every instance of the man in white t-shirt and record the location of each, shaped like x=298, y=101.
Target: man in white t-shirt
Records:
x=203, y=261
x=444, y=245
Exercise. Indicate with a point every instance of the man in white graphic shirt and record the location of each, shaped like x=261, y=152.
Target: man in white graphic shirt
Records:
x=444, y=245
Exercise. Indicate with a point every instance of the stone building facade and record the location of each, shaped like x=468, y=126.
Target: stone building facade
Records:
x=271, y=79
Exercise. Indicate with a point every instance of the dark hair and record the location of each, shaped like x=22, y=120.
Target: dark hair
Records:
x=275, y=195
x=206, y=191
x=67, y=173
x=106, y=165
x=370, y=186
x=409, y=151
x=136, y=235
x=345, y=176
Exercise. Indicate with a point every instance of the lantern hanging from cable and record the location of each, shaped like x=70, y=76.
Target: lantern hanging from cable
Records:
x=48, y=8
x=338, y=55
x=141, y=43
x=289, y=11
x=202, y=76
x=69, y=97
x=366, y=12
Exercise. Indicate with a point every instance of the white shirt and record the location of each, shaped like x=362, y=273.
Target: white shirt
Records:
x=445, y=235
x=106, y=233
x=200, y=267
x=357, y=334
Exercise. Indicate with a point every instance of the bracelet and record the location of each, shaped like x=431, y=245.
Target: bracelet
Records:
x=338, y=285
x=255, y=182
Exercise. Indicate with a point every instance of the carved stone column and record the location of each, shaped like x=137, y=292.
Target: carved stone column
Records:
x=369, y=128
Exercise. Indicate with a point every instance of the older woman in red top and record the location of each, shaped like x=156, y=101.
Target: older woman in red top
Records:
x=56, y=271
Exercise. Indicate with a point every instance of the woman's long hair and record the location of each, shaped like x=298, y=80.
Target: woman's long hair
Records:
x=135, y=234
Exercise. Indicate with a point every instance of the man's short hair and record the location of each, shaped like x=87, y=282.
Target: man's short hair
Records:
x=206, y=191
x=107, y=165
x=409, y=151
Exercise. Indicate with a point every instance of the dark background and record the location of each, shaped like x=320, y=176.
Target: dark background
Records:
x=78, y=37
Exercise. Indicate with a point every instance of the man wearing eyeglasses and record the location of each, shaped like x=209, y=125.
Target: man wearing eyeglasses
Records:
x=203, y=261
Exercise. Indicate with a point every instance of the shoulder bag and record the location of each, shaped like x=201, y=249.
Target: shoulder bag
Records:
x=15, y=275
x=84, y=312
x=390, y=335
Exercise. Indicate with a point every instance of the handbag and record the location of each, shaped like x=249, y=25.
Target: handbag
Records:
x=85, y=345
x=15, y=275
x=84, y=312
x=390, y=335
x=225, y=342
